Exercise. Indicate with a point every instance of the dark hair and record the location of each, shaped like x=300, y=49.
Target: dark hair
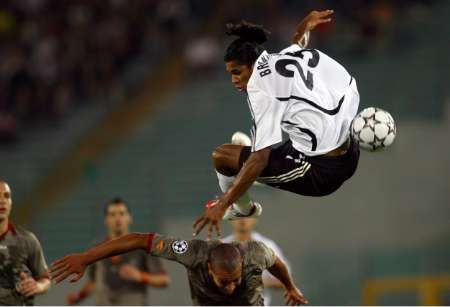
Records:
x=225, y=256
x=113, y=202
x=248, y=46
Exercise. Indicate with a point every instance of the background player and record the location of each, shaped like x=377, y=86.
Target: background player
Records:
x=23, y=271
x=218, y=273
x=124, y=279
x=301, y=92
x=243, y=231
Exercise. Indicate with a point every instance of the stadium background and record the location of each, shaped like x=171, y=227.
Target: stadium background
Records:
x=128, y=98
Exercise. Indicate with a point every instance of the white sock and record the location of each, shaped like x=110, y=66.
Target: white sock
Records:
x=244, y=203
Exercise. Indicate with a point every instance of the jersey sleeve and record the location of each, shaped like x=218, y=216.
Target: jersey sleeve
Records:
x=36, y=260
x=267, y=111
x=263, y=255
x=179, y=250
x=267, y=114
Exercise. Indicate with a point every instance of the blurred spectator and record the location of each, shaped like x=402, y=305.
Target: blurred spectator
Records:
x=55, y=54
x=202, y=54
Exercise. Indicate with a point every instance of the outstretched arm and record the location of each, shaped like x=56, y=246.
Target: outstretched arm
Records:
x=308, y=23
x=293, y=296
x=249, y=172
x=76, y=263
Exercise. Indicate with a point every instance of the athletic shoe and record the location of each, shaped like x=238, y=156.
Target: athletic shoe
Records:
x=233, y=214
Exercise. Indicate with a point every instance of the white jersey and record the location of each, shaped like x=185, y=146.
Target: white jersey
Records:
x=304, y=93
x=255, y=236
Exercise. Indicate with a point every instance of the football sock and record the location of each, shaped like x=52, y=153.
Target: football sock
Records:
x=244, y=203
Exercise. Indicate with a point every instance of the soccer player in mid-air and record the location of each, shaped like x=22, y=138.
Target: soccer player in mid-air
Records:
x=301, y=92
x=219, y=273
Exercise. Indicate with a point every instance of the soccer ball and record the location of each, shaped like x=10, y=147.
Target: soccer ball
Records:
x=373, y=128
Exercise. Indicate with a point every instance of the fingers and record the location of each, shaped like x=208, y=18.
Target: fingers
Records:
x=210, y=231
x=56, y=275
x=219, y=233
x=288, y=300
x=27, y=283
x=63, y=275
x=23, y=275
x=58, y=264
x=326, y=13
x=76, y=277
x=320, y=21
x=29, y=291
x=199, y=225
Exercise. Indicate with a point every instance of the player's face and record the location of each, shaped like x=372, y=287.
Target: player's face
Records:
x=118, y=219
x=5, y=201
x=227, y=282
x=240, y=74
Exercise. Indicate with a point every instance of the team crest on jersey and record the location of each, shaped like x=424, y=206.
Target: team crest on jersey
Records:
x=180, y=247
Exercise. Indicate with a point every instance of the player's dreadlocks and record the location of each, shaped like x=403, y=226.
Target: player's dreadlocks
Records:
x=248, y=46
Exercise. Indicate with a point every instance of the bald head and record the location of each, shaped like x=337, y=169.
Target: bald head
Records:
x=225, y=267
x=5, y=201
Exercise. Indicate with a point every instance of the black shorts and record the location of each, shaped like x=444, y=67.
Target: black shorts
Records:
x=290, y=170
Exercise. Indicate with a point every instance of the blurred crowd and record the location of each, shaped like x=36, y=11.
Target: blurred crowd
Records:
x=360, y=27
x=55, y=55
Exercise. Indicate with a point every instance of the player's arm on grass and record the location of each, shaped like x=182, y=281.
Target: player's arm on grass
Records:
x=312, y=20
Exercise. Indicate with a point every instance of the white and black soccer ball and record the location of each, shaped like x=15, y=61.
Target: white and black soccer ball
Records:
x=373, y=128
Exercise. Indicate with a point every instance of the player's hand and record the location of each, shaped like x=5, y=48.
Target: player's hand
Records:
x=27, y=286
x=294, y=297
x=315, y=18
x=312, y=20
x=130, y=272
x=73, y=298
x=214, y=213
x=74, y=264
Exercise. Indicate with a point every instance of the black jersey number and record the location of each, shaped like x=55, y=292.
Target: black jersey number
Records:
x=282, y=69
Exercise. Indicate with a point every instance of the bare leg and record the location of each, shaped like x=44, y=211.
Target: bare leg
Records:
x=226, y=162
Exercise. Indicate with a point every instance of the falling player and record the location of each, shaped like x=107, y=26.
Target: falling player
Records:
x=218, y=273
x=302, y=92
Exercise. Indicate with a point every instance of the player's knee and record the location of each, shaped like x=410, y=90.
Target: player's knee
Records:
x=220, y=157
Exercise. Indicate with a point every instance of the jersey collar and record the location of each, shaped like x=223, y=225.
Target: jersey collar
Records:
x=11, y=229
